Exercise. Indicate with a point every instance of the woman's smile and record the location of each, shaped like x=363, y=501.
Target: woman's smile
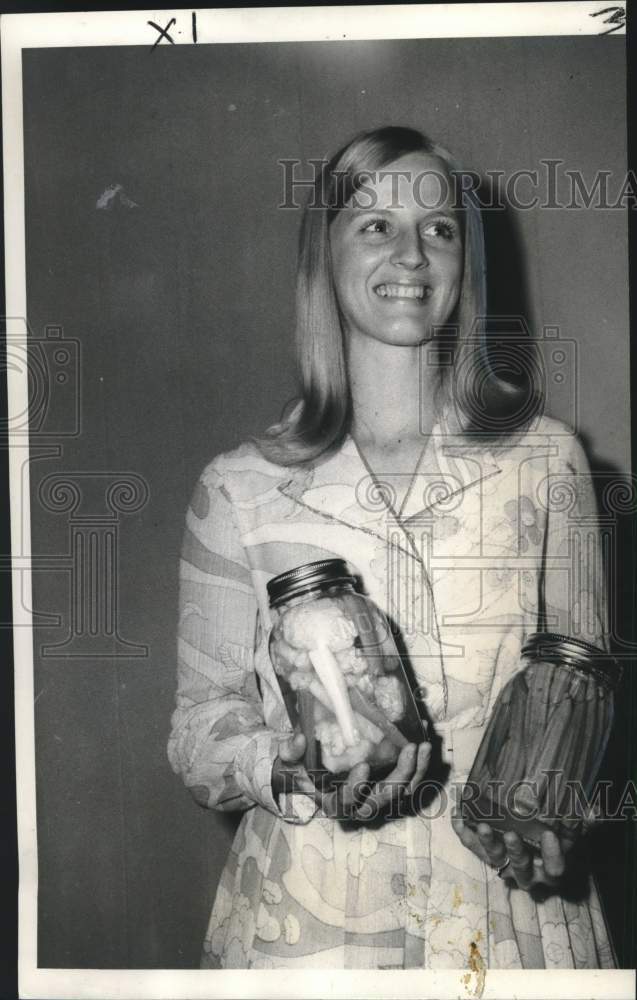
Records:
x=403, y=292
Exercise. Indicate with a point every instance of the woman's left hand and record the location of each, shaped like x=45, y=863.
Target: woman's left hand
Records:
x=525, y=868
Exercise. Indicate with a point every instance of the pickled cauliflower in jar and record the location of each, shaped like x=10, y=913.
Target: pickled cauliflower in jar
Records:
x=356, y=706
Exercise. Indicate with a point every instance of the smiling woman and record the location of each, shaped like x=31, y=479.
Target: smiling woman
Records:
x=393, y=463
x=406, y=254
x=388, y=194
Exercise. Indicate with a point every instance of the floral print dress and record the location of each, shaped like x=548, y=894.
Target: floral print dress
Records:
x=489, y=546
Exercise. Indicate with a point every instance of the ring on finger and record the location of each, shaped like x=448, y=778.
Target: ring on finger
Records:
x=523, y=873
x=499, y=869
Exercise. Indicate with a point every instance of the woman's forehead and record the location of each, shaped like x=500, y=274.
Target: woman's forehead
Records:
x=418, y=179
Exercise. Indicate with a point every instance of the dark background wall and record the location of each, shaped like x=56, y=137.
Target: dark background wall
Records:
x=182, y=307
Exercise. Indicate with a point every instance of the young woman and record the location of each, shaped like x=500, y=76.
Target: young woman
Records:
x=403, y=456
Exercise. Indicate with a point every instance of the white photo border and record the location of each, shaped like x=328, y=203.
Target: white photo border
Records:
x=131, y=28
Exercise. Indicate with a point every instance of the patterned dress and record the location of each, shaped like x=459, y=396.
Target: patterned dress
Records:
x=489, y=546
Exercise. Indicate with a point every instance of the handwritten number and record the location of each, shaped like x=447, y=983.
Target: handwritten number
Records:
x=617, y=18
x=194, y=27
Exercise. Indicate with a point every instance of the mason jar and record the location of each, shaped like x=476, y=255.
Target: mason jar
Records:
x=543, y=746
x=339, y=670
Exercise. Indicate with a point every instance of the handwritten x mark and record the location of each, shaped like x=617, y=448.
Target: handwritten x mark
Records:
x=163, y=32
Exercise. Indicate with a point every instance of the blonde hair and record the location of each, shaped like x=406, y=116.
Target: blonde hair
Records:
x=321, y=416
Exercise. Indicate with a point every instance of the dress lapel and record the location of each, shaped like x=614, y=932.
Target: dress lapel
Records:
x=449, y=466
x=343, y=488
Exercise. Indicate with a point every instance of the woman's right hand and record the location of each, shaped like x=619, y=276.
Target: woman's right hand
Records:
x=356, y=798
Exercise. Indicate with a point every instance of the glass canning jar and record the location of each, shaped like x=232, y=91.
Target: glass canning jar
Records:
x=543, y=745
x=339, y=670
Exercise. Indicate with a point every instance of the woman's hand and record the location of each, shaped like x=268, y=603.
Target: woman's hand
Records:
x=356, y=798
x=525, y=868
x=397, y=787
x=289, y=775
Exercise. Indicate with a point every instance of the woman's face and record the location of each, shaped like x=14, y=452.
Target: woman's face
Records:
x=397, y=253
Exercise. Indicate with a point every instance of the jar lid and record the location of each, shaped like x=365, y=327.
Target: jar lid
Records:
x=571, y=652
x=306, y=577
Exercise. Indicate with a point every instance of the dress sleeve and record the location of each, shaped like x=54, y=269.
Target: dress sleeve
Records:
x=219, y=742
x=574, y=592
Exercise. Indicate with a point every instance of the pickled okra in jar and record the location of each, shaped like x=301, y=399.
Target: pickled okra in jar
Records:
x=543, y=745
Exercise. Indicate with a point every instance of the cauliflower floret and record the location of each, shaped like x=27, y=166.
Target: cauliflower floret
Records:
x=389, y=697
x=321, y=623
x=365, y=685
x=336, y=755
x=352, y=664
x=300, y=680
x=331, y=738
x=288, y=658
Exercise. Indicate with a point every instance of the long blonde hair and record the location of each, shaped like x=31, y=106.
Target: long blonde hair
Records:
x=321, y=416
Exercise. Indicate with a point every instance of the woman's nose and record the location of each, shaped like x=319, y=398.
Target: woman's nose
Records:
x=409, y=251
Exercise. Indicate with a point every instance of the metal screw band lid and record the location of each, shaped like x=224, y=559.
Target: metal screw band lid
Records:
x=307, y=577
x=567, y=650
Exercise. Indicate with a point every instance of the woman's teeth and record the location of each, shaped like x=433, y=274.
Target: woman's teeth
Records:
x=403, y=291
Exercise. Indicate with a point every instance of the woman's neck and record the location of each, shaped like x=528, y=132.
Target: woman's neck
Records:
x=392, y=393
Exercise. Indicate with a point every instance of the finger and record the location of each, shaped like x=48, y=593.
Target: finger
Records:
x=292, y=748
x=521, y=859
x=422, y=763
x=465, y=833
x=541, y=876
x=288, y=774
x=493, y=846
x=341, y=803
x=396, y=783
x=393, y=788
x=353, y=791
x=405, y=766
x=552, y=855
x=471, y=840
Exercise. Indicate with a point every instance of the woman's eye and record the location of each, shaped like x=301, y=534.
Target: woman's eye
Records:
x=376, y=226
x=442, y=228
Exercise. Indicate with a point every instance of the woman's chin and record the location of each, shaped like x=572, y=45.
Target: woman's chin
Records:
x=395, y=334
x=410, y=337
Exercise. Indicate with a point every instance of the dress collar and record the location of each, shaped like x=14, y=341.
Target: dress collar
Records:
x=345, y=489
